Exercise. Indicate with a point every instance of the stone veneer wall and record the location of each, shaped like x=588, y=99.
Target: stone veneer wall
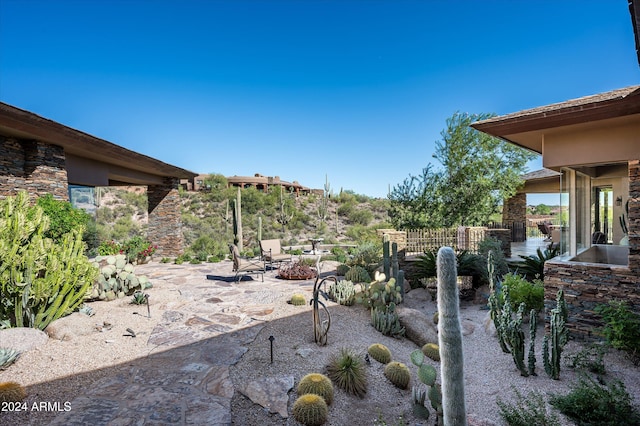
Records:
x=587, y=285
x=165, y=222
x=32, y=166
x=514, y=209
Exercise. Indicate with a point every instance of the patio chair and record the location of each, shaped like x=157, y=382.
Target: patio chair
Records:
x=545, y=229
x=243, y=266
x=272, y=252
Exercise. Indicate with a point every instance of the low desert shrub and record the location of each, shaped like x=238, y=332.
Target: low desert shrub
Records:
x=590, y=358
x=589, y=403
x=622, y=327
x=523, y=291
x=527, y=410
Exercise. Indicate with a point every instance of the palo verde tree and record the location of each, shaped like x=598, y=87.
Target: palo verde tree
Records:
x=477, y=173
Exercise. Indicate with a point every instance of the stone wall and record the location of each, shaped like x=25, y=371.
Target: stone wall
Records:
x=514, y=209
x=165, y=222
x=33, y=166
x=587, y=285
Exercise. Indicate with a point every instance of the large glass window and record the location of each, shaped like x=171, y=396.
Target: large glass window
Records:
x=575, y=205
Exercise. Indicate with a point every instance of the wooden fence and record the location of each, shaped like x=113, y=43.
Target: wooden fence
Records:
x=461, y=238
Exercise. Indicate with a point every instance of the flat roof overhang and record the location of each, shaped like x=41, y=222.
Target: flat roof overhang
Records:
x=527, y=128
x=90, y=160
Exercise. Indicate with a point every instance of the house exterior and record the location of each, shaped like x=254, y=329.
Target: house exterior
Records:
x=42, y=156
x=594, y=144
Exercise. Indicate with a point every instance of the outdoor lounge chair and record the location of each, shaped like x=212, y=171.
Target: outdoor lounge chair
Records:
x=242, y=266
x=272, y=252
x=545, y=229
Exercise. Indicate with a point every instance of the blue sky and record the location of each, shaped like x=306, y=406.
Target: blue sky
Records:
x=355, y=90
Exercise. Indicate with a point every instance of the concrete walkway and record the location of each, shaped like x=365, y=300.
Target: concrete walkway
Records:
x=185, y=378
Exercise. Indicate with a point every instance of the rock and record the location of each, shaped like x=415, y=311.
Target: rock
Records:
x=71, y=326
x=417, y=298
x=468, y=327
x=269, y=392
x=489, y=326
x=419, y=328
x=22, y=339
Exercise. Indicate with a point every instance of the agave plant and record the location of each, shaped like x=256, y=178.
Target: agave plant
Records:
x=7, y=357
x=533, y=266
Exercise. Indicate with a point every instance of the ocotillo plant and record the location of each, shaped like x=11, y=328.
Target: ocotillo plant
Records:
x=450, y=340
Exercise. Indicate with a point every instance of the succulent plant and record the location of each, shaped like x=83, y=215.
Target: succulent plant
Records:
x=7, y=357
x=398, y=374
x=347, y=370
x=436, y=317
x=357, y=274
x=11, y=392
x=139, y=298
x=386, y=321
x=117, y=278
x=432, y=351
x=343, y=292
x=380, y=353
x=318, y=384
x=310, y=410
x=298, y=300
x=450, y=340
x=342, y=269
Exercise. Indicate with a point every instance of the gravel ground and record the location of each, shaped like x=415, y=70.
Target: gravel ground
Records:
x=489, y=373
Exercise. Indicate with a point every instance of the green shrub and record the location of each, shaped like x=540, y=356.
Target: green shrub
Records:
x=368, y=256
x=589, y=403
x=523, y=291
x=527, y=411
x=361, y=217
x=622, y=327
x=590, y=359
x=137, y=249
x=340, y=254
x=109, y=247
x=342, y=269
x=63, y=217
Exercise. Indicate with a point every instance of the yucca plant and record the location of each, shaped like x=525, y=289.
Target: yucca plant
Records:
x=347, y=371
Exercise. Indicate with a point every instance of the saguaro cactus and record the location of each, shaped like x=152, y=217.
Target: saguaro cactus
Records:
x=237, y=220
x=450, y=340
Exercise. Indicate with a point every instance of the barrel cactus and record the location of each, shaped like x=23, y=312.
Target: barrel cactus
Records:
x=398, y=374
x=432, y=351
x=298, y=300
x=11, y=392
x=380, y=353
x=310, y=410
x=318, y=384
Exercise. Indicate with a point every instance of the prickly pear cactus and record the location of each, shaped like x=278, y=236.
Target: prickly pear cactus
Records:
x=116, y=278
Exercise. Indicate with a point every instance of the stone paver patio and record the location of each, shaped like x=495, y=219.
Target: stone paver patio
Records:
x=185, y=378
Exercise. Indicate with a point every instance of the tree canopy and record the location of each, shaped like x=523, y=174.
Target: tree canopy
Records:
x=476, y=173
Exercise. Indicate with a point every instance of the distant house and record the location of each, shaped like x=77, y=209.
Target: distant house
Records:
x=594, y=144
x=263, y=183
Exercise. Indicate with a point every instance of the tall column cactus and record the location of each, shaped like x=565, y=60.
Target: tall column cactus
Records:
x=450, y=340
x=237, y=220
x=558, y=335
x=386, y=256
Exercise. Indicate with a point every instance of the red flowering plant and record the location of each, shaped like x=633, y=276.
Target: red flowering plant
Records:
x=138, y=249
x=107, y=248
